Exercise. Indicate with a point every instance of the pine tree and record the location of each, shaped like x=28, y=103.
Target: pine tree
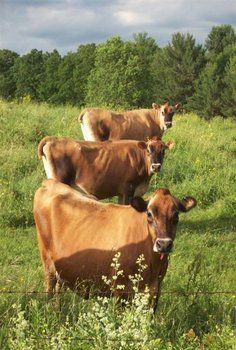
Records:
x=219, y=38
x=176, y=67
x=214, y=94
x=229, y=92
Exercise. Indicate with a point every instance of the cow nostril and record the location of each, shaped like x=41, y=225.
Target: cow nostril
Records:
x=164, y=245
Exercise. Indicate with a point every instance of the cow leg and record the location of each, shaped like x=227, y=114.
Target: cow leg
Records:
x=155, y=301
x=159, y=282
x=58, y=290
x=50, y=281
x=49, y=275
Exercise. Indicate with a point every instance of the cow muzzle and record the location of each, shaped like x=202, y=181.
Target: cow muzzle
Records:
x=163, y=245
x=168, y=124
x=155, y=167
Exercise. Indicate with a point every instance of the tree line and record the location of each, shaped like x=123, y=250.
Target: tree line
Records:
x=130, y=74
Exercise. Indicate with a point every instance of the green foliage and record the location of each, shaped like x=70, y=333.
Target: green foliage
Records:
x=114, y=79
x=219, y=38
x=214, y=90
x=146, y=48
x=7, y=83
x=229, y=91
x=122, y=74
x=85, y=57
x=73, y=73
x=66, y=93
x=49, y=86
x=28, y=73
x=130, y=74
x=201, y=164
x=175, y=69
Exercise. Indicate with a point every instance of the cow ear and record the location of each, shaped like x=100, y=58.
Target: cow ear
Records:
x=139, y=204
x=166, y=103
x=170, y=144
x=155, y=106
x=187, y=204
x=142, y=145
x=177, y=106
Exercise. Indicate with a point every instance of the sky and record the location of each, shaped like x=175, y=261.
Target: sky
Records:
x=66, y=24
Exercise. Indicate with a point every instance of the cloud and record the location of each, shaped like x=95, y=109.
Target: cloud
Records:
x=65, y=24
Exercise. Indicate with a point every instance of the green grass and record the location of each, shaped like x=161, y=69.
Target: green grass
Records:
x=202, y=165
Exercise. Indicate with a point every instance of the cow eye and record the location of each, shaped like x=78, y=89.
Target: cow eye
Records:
x=149, y=216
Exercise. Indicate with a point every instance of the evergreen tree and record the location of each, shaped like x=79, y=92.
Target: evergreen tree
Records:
x=7, y=82
x=176, y=67
x=49, y=86
x=219, y=38
x=214, y=94
x=28, y=73
x=229, y=92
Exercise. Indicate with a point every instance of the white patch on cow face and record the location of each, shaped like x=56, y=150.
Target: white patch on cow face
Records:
x=86, y=128
x=167, y=240
x=162, y=119
x=155, y=168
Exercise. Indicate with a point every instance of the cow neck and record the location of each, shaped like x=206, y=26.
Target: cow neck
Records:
x=156, y=115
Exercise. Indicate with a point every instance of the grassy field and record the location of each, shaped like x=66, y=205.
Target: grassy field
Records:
x=197, y=309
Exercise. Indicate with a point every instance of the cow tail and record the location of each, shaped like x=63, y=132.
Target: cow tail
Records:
x=41, y=144
x=87, y=126
x=80, y=119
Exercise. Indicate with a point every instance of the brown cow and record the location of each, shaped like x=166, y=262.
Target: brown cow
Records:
x=103, y=169
x=78, y=237
x=99, y=124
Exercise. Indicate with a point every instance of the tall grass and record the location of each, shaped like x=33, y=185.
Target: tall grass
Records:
x=190, y=314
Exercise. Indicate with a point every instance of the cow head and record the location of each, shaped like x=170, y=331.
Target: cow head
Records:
x=166, y=114
x=162, y=212
x=156, y=151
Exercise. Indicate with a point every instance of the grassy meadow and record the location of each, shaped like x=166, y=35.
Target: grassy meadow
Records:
x=197, y=308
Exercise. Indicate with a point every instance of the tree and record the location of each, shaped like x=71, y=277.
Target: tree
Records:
x=7, y=82
x=114, y=80
x=214, y=88
x=84, y=62
x=66, y=91
x=215, y=91
x=28, y=73
x=49, y=86
x=146, y=48
x=219, y=38
x=229, y=92
x=176, y=67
